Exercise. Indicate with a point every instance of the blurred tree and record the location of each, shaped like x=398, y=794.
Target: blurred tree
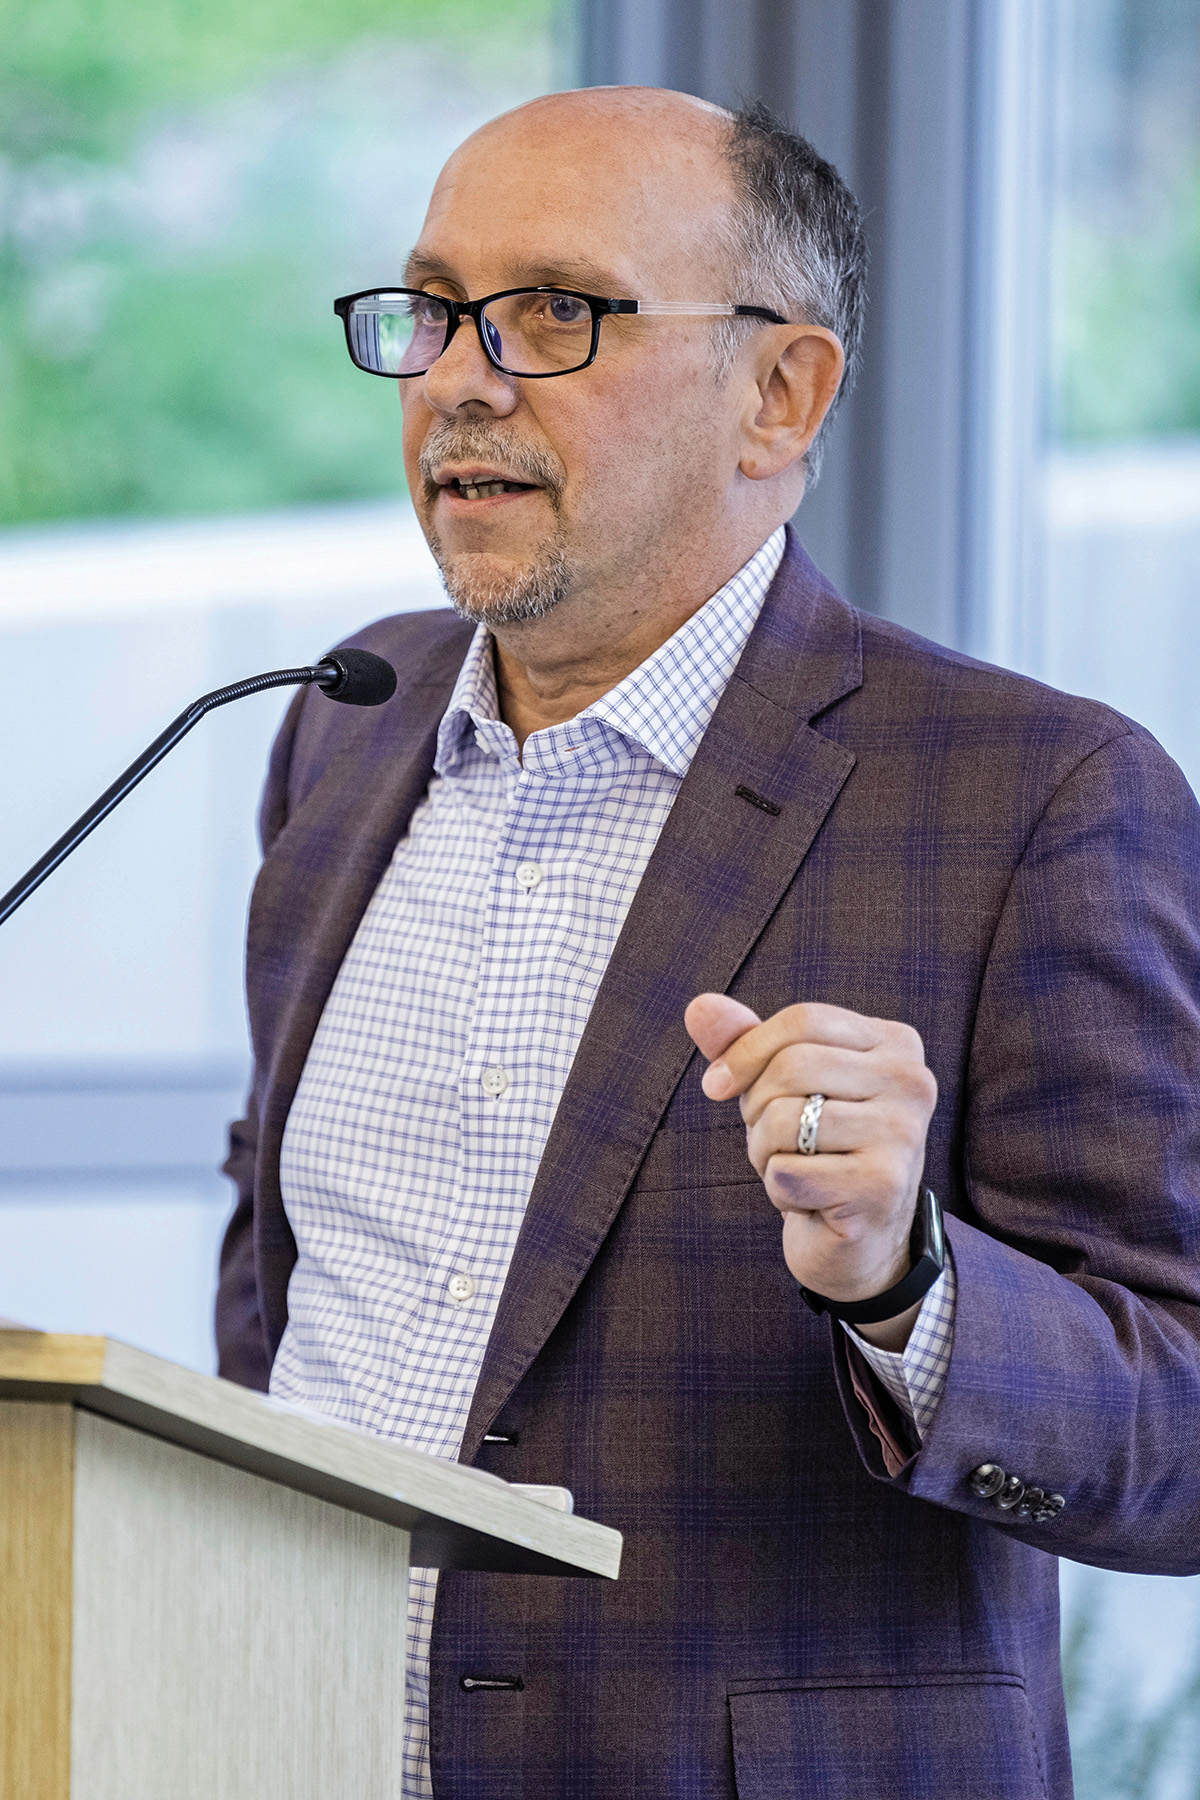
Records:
x=184, y=187
x=1125, y=234
x=1129, y=349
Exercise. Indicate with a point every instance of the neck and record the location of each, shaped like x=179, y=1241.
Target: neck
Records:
x=550, y=669
x=551, y=680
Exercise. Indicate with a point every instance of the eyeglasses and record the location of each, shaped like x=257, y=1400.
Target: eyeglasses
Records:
x=530, y=332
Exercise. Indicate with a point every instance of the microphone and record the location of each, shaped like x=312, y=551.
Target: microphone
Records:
x=355, y=677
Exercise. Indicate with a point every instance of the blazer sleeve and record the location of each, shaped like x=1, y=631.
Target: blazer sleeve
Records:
x=1076, y=1354
x=242, y=1354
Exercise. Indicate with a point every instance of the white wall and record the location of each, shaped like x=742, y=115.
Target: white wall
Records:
x=122, y=1035
x=1120, y=613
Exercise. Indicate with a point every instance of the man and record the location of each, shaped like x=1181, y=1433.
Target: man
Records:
x=928, y=923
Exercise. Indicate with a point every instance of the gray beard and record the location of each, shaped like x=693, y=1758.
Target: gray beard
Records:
x=536, y=590
x=531, y=594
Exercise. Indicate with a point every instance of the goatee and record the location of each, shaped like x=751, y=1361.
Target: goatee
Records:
x=527, y=593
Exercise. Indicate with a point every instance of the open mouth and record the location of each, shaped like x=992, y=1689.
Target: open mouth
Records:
x=474, y=488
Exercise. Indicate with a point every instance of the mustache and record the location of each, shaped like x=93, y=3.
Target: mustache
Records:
x=478, y=440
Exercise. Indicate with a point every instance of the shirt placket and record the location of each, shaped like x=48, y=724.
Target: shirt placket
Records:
x=499, y=1101
x=482, y=1215
x=505, y=1099
x=515, y=1067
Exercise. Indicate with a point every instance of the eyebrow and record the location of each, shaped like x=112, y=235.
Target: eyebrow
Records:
x=578, y=273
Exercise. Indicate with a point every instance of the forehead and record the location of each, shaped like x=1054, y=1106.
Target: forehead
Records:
x=557, y=193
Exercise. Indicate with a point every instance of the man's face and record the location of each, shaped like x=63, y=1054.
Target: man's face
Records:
x=621, y=463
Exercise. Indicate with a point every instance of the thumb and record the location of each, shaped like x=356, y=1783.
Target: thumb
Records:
x=714, y=1021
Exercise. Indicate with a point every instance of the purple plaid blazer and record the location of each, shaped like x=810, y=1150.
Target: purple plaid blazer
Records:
x=1015, y=873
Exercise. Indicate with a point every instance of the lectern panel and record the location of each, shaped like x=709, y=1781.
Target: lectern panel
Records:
x=36, y=1478
x=233, y=1639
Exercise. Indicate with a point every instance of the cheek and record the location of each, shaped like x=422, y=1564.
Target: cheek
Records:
x=642, y=436
x=414, y=425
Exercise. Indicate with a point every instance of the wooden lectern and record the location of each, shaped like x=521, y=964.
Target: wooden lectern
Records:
x=203, y=1591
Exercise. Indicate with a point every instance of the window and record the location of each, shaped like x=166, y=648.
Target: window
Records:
x=1117, y=616
x=1120, y=603
x=194, y=486
x=187, y=184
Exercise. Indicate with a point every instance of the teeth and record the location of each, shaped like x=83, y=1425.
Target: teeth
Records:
x=481, y=490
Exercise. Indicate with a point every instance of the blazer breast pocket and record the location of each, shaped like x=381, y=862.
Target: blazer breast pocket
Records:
x=910, y=1737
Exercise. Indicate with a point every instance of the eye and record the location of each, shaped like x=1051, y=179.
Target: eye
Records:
x=567, y=309
x=427, y=308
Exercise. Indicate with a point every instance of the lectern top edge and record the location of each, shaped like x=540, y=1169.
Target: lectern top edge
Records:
x=459, y=1517
x=50, y=1356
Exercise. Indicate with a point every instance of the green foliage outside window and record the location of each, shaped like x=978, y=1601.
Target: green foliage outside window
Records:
x=186, y=184
x=1124, y=292
x=184, y=187
x=1128, y=341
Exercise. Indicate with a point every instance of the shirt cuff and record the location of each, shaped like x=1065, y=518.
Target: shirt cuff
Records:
x=915, y=1377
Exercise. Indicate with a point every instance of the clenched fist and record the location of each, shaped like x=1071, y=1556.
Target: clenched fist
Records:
x=848, y=1208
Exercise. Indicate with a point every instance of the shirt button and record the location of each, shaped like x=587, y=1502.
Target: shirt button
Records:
x=494, y=1081
x=529, y=875
x=462, y=1288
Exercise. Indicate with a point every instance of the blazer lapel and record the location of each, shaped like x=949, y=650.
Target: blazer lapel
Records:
x=719, y=870
x=311, y=894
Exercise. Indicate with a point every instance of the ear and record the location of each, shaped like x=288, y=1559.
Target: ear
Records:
x=794, y=379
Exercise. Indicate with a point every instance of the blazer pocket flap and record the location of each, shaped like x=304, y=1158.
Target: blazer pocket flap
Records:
x=934, y=1737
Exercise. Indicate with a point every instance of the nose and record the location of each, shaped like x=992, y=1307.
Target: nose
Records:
x=462, y=378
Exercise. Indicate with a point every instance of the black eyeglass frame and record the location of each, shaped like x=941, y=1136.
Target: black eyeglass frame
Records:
x=601, y=307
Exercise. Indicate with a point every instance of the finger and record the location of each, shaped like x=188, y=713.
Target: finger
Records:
x=743, y=1061
x=803, y=1069
x=714, y=1021
x=844, y=1125
x=853, y=1192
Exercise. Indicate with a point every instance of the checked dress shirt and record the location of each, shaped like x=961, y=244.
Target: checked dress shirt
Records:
x=432, y=1082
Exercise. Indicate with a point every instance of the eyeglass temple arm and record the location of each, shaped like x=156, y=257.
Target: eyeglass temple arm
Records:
x=715, y=309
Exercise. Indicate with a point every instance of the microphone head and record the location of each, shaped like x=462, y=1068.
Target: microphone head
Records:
x=356, y=677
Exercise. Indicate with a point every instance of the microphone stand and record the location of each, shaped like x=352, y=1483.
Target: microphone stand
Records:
x=332, y=674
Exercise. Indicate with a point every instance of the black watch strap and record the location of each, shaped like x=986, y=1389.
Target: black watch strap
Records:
x=927, y=1246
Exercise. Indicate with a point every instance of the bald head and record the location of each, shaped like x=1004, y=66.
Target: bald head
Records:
x=644, y=170
x=628, y=108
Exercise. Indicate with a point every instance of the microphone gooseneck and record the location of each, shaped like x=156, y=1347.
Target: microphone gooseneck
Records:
x=355, y=677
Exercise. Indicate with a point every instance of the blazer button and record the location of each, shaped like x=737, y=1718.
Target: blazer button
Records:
x=1011, y=1493
x=987, y=1480
x=1049, y=1509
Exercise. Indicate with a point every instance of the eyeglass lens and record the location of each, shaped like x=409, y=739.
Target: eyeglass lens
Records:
x=528, y=333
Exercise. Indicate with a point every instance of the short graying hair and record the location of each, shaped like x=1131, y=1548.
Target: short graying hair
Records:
x=795, y=242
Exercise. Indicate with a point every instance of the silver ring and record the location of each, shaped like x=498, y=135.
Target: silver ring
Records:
x=810, y=1118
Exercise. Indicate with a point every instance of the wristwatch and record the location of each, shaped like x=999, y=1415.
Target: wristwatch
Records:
x=927, y=1247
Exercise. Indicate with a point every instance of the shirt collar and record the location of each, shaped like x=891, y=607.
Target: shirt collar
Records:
x=693, y=667
x=473, y=701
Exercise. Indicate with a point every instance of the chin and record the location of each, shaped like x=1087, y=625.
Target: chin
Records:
x=496, y=590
